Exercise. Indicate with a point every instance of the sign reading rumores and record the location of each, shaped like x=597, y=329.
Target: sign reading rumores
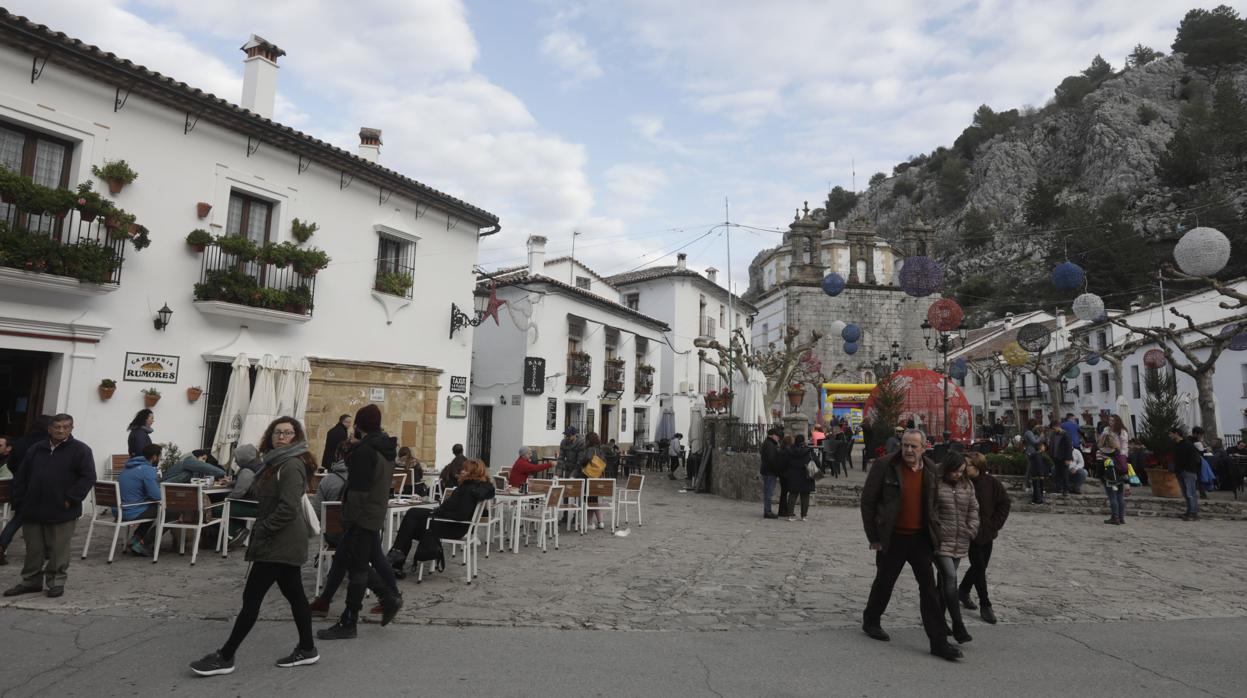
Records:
x=150, y=368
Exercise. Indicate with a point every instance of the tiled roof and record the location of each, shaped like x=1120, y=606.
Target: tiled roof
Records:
x=521, y=276
x=58, y=49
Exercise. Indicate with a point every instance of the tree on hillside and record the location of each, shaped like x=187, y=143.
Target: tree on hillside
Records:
x=1229, y=121
x=953, y=183
x=976, y=228
x=1183, y=163
x=1041, y=205
x=974, y=291
x=986, y=125
x=1115, y=255
x=877, y=179
x=1142, y=55
x=1099, y=70
x=839, y=202
x=1212, y=40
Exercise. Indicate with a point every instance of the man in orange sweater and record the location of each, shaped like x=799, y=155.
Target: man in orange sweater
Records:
x=896, y=513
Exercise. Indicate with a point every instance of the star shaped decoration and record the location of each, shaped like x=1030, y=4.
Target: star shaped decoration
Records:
x=491, y=309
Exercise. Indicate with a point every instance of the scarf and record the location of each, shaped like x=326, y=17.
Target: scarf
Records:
x=144, y=428
x=279, y=454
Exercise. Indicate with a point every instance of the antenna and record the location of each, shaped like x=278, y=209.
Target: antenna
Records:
x=853, y=169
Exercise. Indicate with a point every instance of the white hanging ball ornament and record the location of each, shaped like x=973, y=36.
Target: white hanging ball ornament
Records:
x=1202, y=252
x=1089, y=307
x=837, y=327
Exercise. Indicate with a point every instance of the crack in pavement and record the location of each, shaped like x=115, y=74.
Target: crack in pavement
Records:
x=706, y=669
x=1135, y=664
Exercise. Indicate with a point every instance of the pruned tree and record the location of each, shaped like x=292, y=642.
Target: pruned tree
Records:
x=777, y=363
x=1050, y=370
x=1115, y=355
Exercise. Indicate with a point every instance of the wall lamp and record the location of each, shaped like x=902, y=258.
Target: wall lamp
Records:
x=460, y=319
x=162, y=317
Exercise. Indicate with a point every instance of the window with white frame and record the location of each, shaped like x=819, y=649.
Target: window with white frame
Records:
x=33, y=154
x=1104, y=381
x=640, y=423
x=583, y=282
x=396, y=271
x=1101, y=339
x=249, y=216
x=1244, y=369
x=633, y=301
x=1086, y=384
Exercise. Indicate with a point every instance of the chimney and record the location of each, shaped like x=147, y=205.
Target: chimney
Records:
x=370, y=144
x=712, y=274
x=259, y=77
x=536, y=254
x=681, y=261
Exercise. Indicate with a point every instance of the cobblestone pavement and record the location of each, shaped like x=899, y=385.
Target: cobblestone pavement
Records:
x=704, y=563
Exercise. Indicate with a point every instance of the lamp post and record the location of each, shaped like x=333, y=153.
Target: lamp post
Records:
x=941, y=341
x=887, y=364
x=460, y=319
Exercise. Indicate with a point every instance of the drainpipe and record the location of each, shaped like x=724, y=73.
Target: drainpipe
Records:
x=483, y=233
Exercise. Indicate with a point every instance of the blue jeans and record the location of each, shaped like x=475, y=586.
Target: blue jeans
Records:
x=1116, y=500
x=768, y=492
x=1190, y=490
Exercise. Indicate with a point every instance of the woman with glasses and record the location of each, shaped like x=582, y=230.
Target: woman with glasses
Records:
x=278, y=546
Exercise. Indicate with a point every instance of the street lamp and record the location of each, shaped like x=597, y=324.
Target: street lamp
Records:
x=942, y=341
x=887, y=364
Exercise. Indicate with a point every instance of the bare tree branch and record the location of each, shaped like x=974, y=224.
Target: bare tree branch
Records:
x=1170, y=273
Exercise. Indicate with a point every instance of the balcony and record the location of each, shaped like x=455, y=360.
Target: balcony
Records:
x=232, y=285
x=579, y=370
x=1030, y=392
x=613, y=382
x=706, y=327
x=60, y=253
x=644, y=381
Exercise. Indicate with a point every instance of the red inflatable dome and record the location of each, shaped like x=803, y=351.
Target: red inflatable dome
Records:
x=924, y=404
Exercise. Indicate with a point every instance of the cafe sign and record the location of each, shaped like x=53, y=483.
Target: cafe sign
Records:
x=150, y=368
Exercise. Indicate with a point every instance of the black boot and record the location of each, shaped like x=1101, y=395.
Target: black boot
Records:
x=960, y=634
x=397, y=560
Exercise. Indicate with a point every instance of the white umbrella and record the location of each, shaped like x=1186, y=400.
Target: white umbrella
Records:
x=666, y=425
x=695, y=431
x=302, y=380
x=1186, y=410
x=286, y=378
x=237, y=400
x=1123, y=410
x=263, y=409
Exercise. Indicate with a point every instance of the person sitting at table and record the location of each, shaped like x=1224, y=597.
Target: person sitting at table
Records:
x=474, y=488
x=524, y=466
x=450, y=474
x=408, y=463
x=250, y=465
x=197, y=463
x=138, y=484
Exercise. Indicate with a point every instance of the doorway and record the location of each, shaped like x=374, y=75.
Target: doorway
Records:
x=23, y=382
x=606, y=427
x=480, y=432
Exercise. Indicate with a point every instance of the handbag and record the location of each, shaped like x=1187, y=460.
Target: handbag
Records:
x=595, y=467
x=1131, y=476
x=811, y=470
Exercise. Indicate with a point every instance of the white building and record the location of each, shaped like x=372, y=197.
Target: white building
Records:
x=80, y=107
x=563, y=352
x=694, y=307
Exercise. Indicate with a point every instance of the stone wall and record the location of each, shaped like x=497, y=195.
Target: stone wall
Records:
x=735, y=476
x=409, y=410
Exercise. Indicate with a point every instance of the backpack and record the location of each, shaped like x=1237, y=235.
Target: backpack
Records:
x=1111, y=472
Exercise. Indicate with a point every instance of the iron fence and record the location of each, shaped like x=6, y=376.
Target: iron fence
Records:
x=644, y=382
x=579, y=369
x=64, y=245
x=231, y=278
x=740, y=437
x=394, y=279
x=614, y=379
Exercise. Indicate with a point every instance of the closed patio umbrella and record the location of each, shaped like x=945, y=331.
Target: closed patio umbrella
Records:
x=303, y=377
x=666, y=425
x=263, y=408
x=234, y=410
x=286, y=376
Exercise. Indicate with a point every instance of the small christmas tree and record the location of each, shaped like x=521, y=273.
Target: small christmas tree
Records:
x=1160, y=414
x=887, y=404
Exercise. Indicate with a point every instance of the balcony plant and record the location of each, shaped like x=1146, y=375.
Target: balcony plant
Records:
x=298, y=299
x=150, y=397
x=107, y=387
x=616, y=361
x=308, y=262
x=241, y=247
x=279, y=255
x=117, y=173
x=273, y=299
x=89, y=203
x=199, y=239
x=395, y=283
x=193, y=393
x=302, y=231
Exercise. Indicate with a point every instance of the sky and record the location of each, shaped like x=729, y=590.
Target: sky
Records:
x=638, y=124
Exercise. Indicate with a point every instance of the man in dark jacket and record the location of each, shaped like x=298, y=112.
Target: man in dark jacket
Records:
x=370, y=471
x=449, y=476
x=339, y=433
x=1061, y=451
x=897, y=518
x=1186, y=462
x=56, y=476
x=994, y=504
x=769, y=469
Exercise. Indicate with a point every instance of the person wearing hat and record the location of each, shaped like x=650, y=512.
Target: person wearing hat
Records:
x=570, y=449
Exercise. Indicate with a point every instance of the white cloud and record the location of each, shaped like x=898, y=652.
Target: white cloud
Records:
x=631, y=187
x=570, y=53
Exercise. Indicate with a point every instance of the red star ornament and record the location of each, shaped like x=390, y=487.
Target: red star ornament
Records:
x=491, y=310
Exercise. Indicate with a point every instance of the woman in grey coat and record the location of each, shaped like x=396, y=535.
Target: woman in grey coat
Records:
x=954, y=521
x=278, y=548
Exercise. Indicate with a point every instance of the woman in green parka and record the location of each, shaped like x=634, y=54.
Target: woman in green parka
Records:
x=278, y=547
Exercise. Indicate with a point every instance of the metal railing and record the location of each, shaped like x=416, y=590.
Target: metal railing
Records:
x=614, y=379
x=746, y=438
x=229, y=278
x=394, y=279
x=1230, y=440
x=84, y=250
x=579, y=369
x=644, y=382
x=1027, y=393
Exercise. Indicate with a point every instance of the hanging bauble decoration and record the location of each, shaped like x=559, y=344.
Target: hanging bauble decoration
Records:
x=837, y=327
x=1015, y=355
x=850, y=348
x=1068, y=276
x=1154, y=358
x=1072, y=373
x=945, y=315
x=833, y=284
x=1202, y=251
x=851, y=333
x=1089, y=308
x=1092, y=359
x=958, y=368
x=1034, y=337
x=921, y=276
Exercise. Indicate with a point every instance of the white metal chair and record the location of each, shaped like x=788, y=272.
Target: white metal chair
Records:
x=573, y=504
x=630, y=496
x=107, y=496
x=546, y=514
x=227, y=514
x=500, y=483
x=471, y=544
x=604, y=490
x=330, y=526
x=495, y=517
x=396, y=485
x=185, y=504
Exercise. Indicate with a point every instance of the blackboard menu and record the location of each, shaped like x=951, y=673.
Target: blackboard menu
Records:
x=534, y=375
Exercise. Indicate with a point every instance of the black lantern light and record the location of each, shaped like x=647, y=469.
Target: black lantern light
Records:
x=162, y=317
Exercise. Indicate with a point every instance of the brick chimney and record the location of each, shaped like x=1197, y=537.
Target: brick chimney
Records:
x=712, y=274
x=370, y=144
x=536, y=254
x=259, y=77
x=681, y=261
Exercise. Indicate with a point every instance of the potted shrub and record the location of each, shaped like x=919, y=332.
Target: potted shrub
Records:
x=150, y=397
x=302, y=231
x=193, y=393
x=796, y=394
x=299, y=298
x=202, y=209
x=108, y=386
x=395, y=283
x=198, y=239
x=88, y=202
x=238, y=246
x=308, y=262
x=117, y=173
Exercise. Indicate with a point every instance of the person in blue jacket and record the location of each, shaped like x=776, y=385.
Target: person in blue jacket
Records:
x=138, y=484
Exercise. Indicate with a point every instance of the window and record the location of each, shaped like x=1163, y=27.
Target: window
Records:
x=1244, y=370
x=766, y=333
x=582, y=282
x=1101, y=339
x=574, y=416
x=991, y=381
x=612, y=342
x=575, y=332
x=978, y=380
x=633, y=301
x=1134, y=383
x=722, y=316
x=1086, y=384
x=395, y=265
x=250, y=217
x=32, y=154
x=640, y=421
x=1104, y=381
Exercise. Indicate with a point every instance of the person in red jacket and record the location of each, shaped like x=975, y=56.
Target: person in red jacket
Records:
x=524, y=466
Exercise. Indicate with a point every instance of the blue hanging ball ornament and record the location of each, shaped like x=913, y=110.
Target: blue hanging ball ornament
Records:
x=921, y=276
x=851, y=333
x=958, y=368
x=833, y=284
x=1073, y=372
x=850, y=348
x=1092, y=359
x=1068, y=276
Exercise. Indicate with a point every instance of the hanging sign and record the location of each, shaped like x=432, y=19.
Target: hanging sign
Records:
x=534, y=375
x=150, y=368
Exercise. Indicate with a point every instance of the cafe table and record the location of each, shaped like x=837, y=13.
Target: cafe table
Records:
x=395, y=510
x=515, y=501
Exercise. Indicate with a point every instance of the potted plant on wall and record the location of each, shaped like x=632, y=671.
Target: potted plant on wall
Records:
x=796, y=394
x=198, y=239
x=202, y=209
x=108, y=386
x=117, y=173
x=302, y=231
x=193, y=393
x=150, y=397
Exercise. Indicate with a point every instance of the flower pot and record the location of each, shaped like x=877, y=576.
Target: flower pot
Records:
x=150, y=400
x=1163, y=483
x=203, y=208
x=197, y=248
x=116, y=185
x=193, y=394
x=87, y=216
x=795, y=398
x=106, y=393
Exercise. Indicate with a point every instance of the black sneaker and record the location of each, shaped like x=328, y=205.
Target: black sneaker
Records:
x=876, y=633
x=213, y=665
x=389, y=608
x=20, y=589
x=238, y=536
x=337, y=631
x=967, y=603
x=946, y=651
x=299, y=657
